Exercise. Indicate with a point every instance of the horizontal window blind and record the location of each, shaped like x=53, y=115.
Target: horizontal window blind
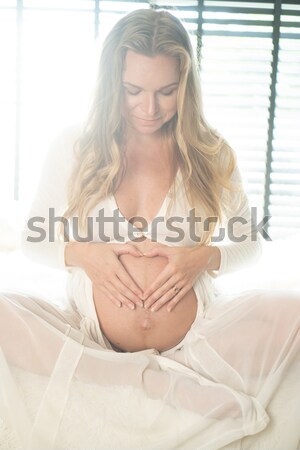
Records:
x=284, y=189
x=236, y=67
x=249, y=56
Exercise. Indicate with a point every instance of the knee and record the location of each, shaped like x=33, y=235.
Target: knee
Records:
x=279, y=304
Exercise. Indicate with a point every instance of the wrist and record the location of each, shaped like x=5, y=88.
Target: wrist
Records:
x=75, y=253
x=213, y=258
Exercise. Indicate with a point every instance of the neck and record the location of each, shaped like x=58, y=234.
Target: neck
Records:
x=144, y=141
x=148, y=147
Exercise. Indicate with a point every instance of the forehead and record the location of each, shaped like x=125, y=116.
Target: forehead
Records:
x=140, y=69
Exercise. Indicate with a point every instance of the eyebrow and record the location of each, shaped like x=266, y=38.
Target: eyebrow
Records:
x=163, y=87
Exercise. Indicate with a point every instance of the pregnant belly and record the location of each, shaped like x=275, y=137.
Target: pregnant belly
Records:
x=139, y=329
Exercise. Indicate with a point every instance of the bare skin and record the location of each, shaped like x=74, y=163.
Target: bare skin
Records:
x=150, y=86
x=139, y=329
x=151, y=167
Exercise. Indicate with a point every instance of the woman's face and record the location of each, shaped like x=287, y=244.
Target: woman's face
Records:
x=150, y=87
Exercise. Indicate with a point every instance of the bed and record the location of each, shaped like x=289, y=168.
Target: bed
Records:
x=278, y=268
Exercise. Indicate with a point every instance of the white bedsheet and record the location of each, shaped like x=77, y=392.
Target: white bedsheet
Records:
x=277, y=269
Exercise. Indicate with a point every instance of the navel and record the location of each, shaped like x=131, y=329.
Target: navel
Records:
x=146, y=323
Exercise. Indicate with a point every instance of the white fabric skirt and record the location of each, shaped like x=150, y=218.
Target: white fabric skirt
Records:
x=232, y=383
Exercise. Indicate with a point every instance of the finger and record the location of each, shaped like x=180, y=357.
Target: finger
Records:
x=120, y=297
x=167, y=286
x=126, y=292
x=176, y=299
x=111, y=297
x=157, y=283
x=162, y=301
x=126, y=279
x=127, y=250
x=156, y=251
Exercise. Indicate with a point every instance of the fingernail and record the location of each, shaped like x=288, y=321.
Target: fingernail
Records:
x=131, y=306
x=141, y=304
x=153, y=309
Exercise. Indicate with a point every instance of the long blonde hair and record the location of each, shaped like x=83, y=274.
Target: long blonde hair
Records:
x=206, y=160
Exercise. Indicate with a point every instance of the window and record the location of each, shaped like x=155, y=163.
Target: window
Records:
x=249, y=55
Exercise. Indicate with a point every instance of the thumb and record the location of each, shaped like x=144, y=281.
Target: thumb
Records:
x=128, y=250
x=156, y=251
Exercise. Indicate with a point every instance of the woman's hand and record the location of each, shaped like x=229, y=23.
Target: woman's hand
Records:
x=185, y=265
x=107, y=273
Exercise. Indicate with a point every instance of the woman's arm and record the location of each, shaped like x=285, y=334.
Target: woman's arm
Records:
x=239, y=247
x=39, y=240
x=239, y=241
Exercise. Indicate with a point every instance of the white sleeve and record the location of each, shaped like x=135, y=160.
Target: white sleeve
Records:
x=238, y=239
x=39, y=236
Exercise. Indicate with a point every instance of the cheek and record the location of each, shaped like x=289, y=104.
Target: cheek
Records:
x=130, y=103
x=171, y=107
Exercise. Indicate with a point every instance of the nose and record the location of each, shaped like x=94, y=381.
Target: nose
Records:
x=150, y=104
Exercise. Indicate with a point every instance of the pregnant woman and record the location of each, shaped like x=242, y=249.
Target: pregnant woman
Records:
x=136, y=205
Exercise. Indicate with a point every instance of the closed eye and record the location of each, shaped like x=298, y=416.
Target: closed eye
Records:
x=169, y=92
x=136, y=92
x=132, y=92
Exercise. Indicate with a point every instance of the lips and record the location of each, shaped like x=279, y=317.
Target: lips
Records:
x=147, y=120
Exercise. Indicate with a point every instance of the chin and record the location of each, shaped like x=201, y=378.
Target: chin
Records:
x=147, y=130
